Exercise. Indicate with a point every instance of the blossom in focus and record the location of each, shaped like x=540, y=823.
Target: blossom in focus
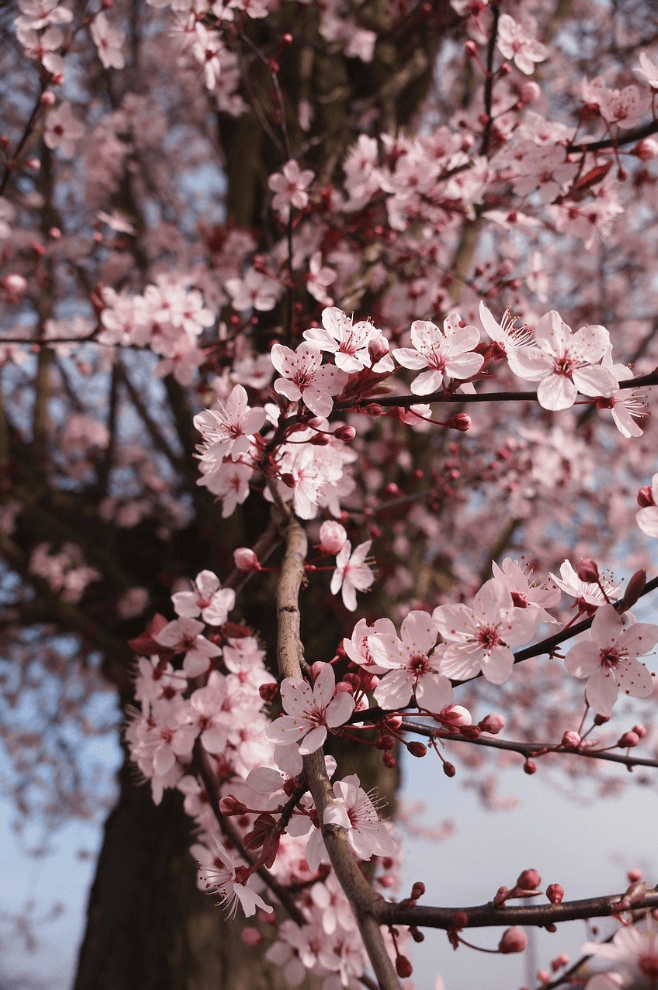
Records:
x=207, y=597
x=586, y=591
x=184, y=636
x=514, y=43
x=479, y=638
x=609, y=660
x=228, y=429
x=352, y=573
x=347, y=340
x=310, y=711
x=304, y=378
x=448, y=353
x=412, y=664
x=352, y=810
x=564, y=363
x=525, y=592
x=217, y=875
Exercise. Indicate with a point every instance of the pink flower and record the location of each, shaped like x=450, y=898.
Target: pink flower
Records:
x=352, y=573
x=353, y=810
x=564, y=363
x=348, y=341
x=217, y=875
x=609, y=659
x=290, y=187
x=479, y=638
x=514, y=43
x=63, y=130
x=646, y=71
x=310, y=711
x=586, y=591
x=448, y=353
x=229, y=481
x=227, y=430
x=108, y=41
x=413, y=665
x=332, y=536
x=184, y=636
x=525, y=592
x=304, y=379
x=208, y=598
x=634, y=950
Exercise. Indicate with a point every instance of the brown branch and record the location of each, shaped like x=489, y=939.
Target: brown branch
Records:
x=486, y=915
x=637, y=134
x=528, y=750
x=366, y=903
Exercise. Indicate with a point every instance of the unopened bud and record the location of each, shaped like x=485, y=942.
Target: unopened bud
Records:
x=319, y=440
x=471, y=732
x=378, y=348
x=417, y=890
x=601, y=719
x=505, y=69
x=645, y=150
x=529, y=92
x=645, y=497
x=530, y=767
x=529, y=880
x=345, y=433
x=417, y=749
x=559, y=962
x=460, y=421
x=403, y=967
x=389, y=760
x=634, y=876
x=316, y=669
x=54, y=233
x=640, y=730
x=634, y=589
x=587, y=570
x=245, y=559
x=416, y=935
x=555, y=893
x=386, y=743
x=333, y=536
x=470, y=49
x=372, y=409
x=513, y=940
x=251, y=937
x=268, y=692
x=449, y=769
x=628, y=740
x=571, y=739
x=344, y=687
x=288, y=480
x=394, y=722
x=33, y=164
x=47, y=98
x=492, y=723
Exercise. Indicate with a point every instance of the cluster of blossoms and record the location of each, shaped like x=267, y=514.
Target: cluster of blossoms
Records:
x=214, y=706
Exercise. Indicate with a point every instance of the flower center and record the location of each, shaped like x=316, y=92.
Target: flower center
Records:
x=519, y=599
x=419, y=664
x=564, y=365
x=488, y=637
x=609, y=657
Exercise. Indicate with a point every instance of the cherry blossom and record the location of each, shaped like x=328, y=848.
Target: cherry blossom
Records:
x=303, y=378
x=310, y=711
x=63, y=130
x=479, y=638
x=348, y=341
x=526, y=593
x=514, y=43
x=413, y=663
x=448, y=353
x=184, y=636
x=217, y=873
x=229, y=481
x=609, y=659
x=289, y=187
x=333, y=536
x=647, y=71
x=352, y=573
x=586, y=591
x=564, y=363
x=228, y=429
x=108, y=41
x=634, y=949
x=208, y=598
x=352, y=809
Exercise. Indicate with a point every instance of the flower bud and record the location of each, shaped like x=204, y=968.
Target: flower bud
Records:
x=449, y=769
x=559, y=962
x=645, y=497
x=416, y=935
x=634, y=589
x=634, y=876
x=555, y=893
x=345, y=433
x=505, y=69
x=470, y=49
x=316, y=669
x=530, y=767
x=33, y=164
x=48, y=99
x=393, y=721
x=640, y=730
x=386, y=743
x=417, y=749
x=333, y=536
x=14, y=284
x=529, y=92
x=571, y=739
x=513, y=940
x=471, y=732
x=587, y=570
x=377, y=348
x=645, y=150
x=268, y=692
x=403, y=967
x=628, y=740
x=344, y=687
x=529, y=880
x=389, y=761
x=460, y=421
x=492, y=723
x=417, y=890
x=251, y=937
x=601, y=719
x=245, y=559
x=372, y=409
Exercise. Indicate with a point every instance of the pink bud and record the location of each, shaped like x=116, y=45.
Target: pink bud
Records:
x=513, y=940
x=634, y=589
x=449, y=769
x=460, y=421
x=634, y=876
x=530, y=767
x=645, y=497
x=560, y=961
x=555, y=893
x=345, y=433
x=417, y=749
x=47, y=98
x=389, y=760
x=14, y=284
x=417, y=890
x=245, y=559
x=529, y=880
x=470, y=49
x=628, y=740
x=316, y=669
x=505, y=69
x=571, y=739
x=471, y=732
x=372, y=409
x=394, y=722
x=587, y=570
x=403, y=967
x=251, y=937
x=529, y=92
x=646, y=149
x=377, y=348
x=55, y=233
x=333, y=536
x=640, y=730
x=344, y=687
x=492, y=723
x=268, y=692
x=33, y=164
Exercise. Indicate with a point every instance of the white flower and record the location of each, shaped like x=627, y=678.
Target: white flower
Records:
x=303, y=378
x=587, y=591
x=310, y=711
x=217, y=875
x=353, y=810
x=448, y=353
x=184, y=636
x=347, y=340
x=514, y=43
x=413, y=665
x=228, y=429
